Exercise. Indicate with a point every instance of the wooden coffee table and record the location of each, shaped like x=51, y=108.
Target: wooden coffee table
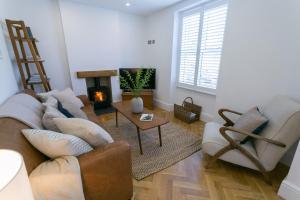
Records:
x=124, y=107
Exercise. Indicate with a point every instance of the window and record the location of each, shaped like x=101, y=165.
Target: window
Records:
x=200, y=46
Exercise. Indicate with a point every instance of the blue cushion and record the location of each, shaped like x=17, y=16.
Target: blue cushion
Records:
x=63, y=110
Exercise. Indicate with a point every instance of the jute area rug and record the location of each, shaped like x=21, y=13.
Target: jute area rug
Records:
x=177, y=144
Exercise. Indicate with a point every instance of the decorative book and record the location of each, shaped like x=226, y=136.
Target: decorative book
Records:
x=146, y=117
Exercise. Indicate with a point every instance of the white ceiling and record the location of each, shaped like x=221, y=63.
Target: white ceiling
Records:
x=138, y=7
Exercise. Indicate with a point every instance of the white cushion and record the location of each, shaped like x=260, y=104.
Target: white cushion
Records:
x=84, y=129
x=51, y=101
x=67, y=97
x=49, y=115
x=45, y=95
x=213, y=141
x=54, y=144
x=57, y=179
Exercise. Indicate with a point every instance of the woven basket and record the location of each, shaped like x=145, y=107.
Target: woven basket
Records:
x=188, y=111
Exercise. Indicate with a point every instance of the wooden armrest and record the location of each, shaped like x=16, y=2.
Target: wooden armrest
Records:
x=226, y=119
x=224, y=129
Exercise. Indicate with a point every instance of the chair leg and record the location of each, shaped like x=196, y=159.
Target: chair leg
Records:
x=256, y=162
x=217, y=155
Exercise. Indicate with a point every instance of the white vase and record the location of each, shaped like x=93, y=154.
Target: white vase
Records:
x=137, y=105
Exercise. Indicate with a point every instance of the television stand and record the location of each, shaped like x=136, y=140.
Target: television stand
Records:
x=146, y=95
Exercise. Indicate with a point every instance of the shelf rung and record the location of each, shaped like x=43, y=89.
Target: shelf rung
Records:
x=30, y=60
x=24, y=39
x=35, y=79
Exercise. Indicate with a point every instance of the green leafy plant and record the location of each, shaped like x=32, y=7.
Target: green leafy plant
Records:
x=138, y=83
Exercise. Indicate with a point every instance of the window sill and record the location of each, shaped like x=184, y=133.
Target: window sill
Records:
x=198, y=90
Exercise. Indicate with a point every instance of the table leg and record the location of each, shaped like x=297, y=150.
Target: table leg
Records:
x=159, y=133
x=117, y=118
x=139, y=137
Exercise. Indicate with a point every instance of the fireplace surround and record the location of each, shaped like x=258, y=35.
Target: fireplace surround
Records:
x=99, y=88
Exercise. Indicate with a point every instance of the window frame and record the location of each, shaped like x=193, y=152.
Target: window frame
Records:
x=199, y=8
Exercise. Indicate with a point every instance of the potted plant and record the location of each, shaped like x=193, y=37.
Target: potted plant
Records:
x=136, y=85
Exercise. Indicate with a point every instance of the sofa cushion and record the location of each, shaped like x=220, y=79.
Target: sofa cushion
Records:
x=51, y=101
x=84, y=129
x=57, y=179
x=24, y=108
x=67, y=97
x=49, y=115
x=54, y=144
x=45, y=95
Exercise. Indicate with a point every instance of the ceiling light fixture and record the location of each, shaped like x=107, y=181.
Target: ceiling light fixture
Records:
x=128, y=4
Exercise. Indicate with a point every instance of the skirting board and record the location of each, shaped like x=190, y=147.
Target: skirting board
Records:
x=289, y=191
x=170, y=107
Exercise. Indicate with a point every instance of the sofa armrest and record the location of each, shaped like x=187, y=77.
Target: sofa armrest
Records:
x=106, y=172
x=85, y=100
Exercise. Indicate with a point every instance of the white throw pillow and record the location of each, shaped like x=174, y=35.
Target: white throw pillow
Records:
x=51, y=101
x=54, y=144
x=71, y=103
x=45, y=95
x=57, y=179
x=49, y=115
x=67, y=96
x=89, y=131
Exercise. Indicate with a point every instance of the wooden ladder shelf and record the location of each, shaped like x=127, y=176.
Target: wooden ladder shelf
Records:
x=21, y=39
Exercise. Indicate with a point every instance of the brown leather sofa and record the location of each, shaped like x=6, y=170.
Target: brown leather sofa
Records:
x=106, y=172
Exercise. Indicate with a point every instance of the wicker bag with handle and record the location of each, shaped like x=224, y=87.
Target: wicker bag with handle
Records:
x=188, y=111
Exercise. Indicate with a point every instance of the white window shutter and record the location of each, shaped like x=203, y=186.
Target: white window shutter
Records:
x=201, y=41
x=188, y=50
x=211, y=46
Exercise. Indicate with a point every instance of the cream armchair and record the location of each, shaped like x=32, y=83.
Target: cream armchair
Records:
x=266, y=149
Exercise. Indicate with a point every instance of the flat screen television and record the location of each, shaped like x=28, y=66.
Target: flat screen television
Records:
x=133, y=71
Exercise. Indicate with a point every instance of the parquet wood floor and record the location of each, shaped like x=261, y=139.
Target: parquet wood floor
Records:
x=189, y=180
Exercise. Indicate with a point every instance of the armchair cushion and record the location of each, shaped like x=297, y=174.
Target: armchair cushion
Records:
x=213, y=141
x=251, y=121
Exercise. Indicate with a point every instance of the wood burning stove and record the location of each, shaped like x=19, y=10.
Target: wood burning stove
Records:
x=100, y=95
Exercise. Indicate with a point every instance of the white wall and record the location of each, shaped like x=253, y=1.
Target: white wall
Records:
x=44, y=19
x=261, y=53
x=8, y=83
x=100, y=39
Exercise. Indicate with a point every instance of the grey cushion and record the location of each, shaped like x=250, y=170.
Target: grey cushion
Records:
x=24, y=108
x=248, y=122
